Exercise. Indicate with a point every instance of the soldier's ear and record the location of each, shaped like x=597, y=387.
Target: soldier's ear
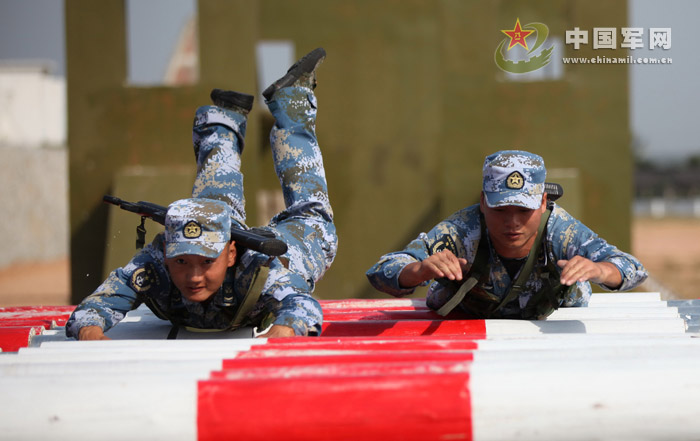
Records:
x=231, y=254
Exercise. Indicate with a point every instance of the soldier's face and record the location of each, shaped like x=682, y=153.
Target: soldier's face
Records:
x=199, y=277
x=512, y=229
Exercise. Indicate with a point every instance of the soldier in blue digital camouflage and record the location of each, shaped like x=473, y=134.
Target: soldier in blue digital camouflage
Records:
x=516, y=254
x=193, y=274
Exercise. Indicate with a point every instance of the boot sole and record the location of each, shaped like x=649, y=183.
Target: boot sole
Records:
x=306, y=64
x=230, y=98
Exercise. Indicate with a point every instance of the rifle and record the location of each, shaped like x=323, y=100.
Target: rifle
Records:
x=554, y=191
x=255, y=239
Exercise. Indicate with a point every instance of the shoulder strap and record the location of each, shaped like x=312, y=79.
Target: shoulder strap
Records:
x=252, y=296
x=517, y=287
x=478, y=268
x=548, y=299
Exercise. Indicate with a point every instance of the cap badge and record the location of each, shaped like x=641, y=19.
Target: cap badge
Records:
x=192, y=230
x=515, y=181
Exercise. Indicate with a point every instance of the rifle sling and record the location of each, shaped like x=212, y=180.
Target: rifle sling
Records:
x=480, y=267
x=252, y=296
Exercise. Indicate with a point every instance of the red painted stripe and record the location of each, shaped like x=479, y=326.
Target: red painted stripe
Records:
x=337, y=315
x=374, y=304
x=12, y=338
x=311, y=358
x=40, y=309
x=35, y=315
x=377, y=407
x=342, y=370
x=353, y=308
x=368, y=344
x=471, y=328
x=27, y=322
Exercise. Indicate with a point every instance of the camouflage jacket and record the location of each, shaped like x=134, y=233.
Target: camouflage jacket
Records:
x=285, y=298
x=565, y=238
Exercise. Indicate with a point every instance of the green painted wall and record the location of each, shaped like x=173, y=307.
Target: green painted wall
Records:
x=410, y=102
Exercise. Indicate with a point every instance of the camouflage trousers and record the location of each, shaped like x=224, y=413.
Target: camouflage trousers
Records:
x=306, y=224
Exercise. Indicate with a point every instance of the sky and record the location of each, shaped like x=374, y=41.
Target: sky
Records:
x=663, y=98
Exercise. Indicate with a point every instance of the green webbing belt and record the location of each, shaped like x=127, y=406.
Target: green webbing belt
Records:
x=252, y=296
x=480, y=267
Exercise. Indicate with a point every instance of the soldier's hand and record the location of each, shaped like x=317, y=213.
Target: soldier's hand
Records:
x=92, y=333
x=580, y=269
x=278, y=331
x=441, y=264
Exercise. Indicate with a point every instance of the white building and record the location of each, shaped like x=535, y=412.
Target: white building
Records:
x=33, y=163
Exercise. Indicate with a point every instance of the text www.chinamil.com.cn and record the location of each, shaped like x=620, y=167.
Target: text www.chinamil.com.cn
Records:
x=616, y=60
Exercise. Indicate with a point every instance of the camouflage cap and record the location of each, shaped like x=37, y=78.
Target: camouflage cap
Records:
x=197, y=226
x=514, y=177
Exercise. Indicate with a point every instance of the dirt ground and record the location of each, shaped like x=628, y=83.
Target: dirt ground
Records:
x=669, y=248
x=45, y=283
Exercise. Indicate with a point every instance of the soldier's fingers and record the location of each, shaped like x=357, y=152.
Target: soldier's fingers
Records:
x=456, y=265
x=445, y=264
x=568, y=272
x=456, y=269
x=445, y=253
x=444, y=269
x=577, y=269
x=431, y=269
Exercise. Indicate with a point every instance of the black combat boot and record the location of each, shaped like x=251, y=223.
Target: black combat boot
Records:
x=236, y=101
x=302, y=73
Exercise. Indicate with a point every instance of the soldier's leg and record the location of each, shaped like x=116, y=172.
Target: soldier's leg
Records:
x=307, y=222
x=217, y=136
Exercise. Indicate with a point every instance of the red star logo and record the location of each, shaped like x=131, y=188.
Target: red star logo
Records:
x=517, y=36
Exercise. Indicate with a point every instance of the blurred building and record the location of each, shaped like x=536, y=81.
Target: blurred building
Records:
x=667, y=191
x=34, y=194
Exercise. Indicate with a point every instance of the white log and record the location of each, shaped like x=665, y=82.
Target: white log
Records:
x=626, y=297
x=199, y=366
x=578, y=400
x=602, y=326
x=153, y=407
x=618, y=313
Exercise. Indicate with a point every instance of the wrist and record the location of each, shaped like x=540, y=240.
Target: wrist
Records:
x=91, y=332
x=610, y=275
x=409, y=277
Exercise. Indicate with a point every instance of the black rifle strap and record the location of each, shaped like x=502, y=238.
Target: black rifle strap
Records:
x=141, y=234
x=172, y=335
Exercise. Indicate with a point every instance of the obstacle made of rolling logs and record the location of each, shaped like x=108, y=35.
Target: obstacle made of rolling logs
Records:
x=626, y=367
